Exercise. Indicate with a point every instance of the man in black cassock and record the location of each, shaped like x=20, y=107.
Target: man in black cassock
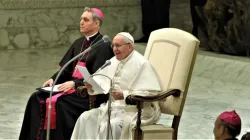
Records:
x=69, y=105
x=155, y=15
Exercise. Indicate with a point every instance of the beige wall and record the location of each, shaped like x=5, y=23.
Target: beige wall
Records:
x=28, y=24
x=55, y=23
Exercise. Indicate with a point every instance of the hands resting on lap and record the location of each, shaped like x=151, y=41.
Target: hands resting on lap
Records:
x=66, y=86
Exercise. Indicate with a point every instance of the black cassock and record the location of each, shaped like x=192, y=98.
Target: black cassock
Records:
x=68, y=107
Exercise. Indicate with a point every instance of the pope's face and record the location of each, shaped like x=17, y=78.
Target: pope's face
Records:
x=121, y=49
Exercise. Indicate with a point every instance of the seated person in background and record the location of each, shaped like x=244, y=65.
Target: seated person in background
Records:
x=227, y=126
x=67, y=106
x=246, y=136
x=131, y=73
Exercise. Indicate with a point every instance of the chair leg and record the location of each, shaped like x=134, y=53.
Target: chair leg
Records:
x=91, y=105
x=175, y=126
x=138, y=131
x=138, y=134
x=92, y=101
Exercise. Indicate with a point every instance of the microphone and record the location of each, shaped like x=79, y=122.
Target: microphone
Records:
x=107, y=63
x=105, y=39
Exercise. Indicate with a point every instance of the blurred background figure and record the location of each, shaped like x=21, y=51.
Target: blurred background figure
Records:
x=246, y=136
x=196, y=14
x=155, y=15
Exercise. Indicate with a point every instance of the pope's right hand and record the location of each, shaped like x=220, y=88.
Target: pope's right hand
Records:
x=89, y=86
x=48, y=83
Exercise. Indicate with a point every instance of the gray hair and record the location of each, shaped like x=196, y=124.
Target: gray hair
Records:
x=95, y=16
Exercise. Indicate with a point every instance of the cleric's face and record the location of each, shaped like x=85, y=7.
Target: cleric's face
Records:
x=87, y=23
x=121, y=49
x=218, y=130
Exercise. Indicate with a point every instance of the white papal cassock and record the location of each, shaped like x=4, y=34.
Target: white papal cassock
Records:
x=133, y=75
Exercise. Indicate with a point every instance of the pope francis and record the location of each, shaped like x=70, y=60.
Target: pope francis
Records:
x=130, y=73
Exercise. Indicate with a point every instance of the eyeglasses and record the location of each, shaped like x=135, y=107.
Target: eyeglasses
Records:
x=117, y=45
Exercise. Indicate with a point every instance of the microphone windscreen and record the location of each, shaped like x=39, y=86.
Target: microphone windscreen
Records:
x=108, y=62
x=106, y=39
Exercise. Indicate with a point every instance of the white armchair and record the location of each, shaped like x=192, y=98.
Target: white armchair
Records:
x=172, y=52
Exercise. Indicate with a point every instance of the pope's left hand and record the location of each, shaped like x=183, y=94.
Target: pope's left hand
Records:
x=117, y=95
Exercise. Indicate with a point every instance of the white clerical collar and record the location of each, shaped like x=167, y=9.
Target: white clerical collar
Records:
x=127, y=58
x=88, y=37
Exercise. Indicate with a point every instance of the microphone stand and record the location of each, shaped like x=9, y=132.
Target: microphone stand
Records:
x=109, y=111
x=61, y=70
x=109, y=104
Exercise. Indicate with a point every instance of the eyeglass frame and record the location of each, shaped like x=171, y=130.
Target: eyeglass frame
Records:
x=118, y=46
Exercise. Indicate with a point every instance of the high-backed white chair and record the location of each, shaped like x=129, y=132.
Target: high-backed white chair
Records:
x=172, y=52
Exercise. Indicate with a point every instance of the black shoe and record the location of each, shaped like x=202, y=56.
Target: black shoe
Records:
x=142, y=40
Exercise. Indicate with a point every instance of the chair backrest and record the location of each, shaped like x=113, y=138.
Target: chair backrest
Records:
x=172, y=52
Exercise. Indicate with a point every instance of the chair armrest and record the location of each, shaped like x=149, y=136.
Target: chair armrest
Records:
x=134, y=99
x=138, y=101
